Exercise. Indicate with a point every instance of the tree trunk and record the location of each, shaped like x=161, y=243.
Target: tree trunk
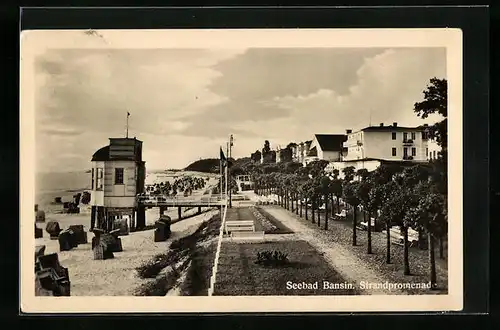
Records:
x=288, y=198
x=406, y=260
x=312, y=211
x=388, y=243
x=306, y=201
x=326, y=211
x=319, y=215
x=338, y=204
x=333, y=206
x=369, y=247
x=354, y=223
x=432, y=262
x=301, y=206
x=441, y=247
x=297, y=197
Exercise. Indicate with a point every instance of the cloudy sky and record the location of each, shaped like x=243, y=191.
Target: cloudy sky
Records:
x=184, y=103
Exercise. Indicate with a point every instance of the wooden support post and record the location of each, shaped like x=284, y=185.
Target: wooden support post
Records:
x=199, y=209
x=179, y=212
x=162, y=210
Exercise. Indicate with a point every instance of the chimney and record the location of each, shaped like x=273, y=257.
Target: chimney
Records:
x=395, y=124
x=381, y=124
x=348, y=131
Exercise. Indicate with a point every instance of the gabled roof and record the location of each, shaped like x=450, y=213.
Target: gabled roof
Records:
x=331, y=142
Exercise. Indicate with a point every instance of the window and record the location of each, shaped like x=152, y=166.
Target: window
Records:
x=394, y=151
x=118, y=175
x=394, y=135
x=434, y=154
x=424, y=135
x=426, y=152
x=405, y=136
x=413, y=152
x=92, y=186
x=99, y=179
x=405, y=152
x=413, y=136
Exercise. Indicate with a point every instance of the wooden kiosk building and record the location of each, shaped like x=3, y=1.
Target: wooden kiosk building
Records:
x=118, y=175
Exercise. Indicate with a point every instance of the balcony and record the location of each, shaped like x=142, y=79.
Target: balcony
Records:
x=407, y=157
x=408, y=142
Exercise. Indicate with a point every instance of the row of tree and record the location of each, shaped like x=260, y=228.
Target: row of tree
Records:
x=395, y=195
x=407, y=197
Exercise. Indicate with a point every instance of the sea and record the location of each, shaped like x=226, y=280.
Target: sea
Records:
x=48, y=186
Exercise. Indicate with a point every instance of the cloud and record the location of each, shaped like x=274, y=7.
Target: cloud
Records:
x=185, y=103
x=60, y=131
x=386, y=88
x=91, y=91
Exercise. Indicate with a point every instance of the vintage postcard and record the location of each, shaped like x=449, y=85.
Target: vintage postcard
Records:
x=283, y=170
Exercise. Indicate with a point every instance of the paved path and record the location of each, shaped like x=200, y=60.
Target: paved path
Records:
x=342, y=260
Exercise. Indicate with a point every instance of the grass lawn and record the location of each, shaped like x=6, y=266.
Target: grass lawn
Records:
x=276, y=226
x=195, y=248
x=239, y=275
x=198, y=276
x=268, y=224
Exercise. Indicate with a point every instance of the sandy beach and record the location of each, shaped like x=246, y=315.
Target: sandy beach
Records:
x=117, y=276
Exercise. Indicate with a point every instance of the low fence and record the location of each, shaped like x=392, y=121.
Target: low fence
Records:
x=217, y=253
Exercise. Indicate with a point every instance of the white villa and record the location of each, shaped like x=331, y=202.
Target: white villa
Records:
x=387, y=143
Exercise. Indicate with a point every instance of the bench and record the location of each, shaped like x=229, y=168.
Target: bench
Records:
x=244, y=225
x=247, y=235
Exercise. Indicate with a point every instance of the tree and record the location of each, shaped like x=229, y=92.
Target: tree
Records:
x=363, y=190
x=267, y=147
x=351, y=198
x=325, y=191
x=336, y=189
x=362, y=174
x=317, y=167
x=436, y=102
x=429, y=215
x=348, y=173
x=256, y=156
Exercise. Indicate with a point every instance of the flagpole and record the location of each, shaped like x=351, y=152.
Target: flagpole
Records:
x=228, y=158
x=227, y=166
x=128, y=114
x=220, y=172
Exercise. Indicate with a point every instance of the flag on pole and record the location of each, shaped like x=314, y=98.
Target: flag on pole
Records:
x=223, y=159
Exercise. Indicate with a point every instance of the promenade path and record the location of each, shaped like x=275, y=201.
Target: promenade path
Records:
x=341, y=259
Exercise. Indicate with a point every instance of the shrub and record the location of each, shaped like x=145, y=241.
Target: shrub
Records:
x=272, y=258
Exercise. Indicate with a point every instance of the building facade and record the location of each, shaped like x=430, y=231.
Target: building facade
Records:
x=300, y=152
x=392, y=143
x=432, y=150
x=327, y=147
x=118, y=176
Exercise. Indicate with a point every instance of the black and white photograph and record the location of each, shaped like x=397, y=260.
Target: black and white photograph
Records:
x=249, y=170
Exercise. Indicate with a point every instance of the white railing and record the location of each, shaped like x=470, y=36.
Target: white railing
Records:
x=217, y=252
x=201, y=200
